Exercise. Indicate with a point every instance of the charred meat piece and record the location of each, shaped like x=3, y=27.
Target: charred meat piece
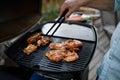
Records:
x=55, y=55
x=58, y=55
x=70, y=56
x=43, y=41
x=34, y=38
x=58, y=46
x=65, y=50
x=29, y=49
x=73, y=45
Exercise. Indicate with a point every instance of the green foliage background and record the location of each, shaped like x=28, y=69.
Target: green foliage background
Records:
x=51, y=14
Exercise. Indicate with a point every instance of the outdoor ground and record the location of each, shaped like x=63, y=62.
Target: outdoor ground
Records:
x=101, y=49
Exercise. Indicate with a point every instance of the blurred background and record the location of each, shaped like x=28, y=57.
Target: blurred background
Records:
x=16, y=17
x=51, y=9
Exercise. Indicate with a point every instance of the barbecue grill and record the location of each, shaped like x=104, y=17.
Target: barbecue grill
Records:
x=60, y=70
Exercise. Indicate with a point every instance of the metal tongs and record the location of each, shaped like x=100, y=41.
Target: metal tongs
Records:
x=60, y=21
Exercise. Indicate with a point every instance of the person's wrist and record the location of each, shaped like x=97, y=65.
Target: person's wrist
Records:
x=101, y=4
x=84, y=2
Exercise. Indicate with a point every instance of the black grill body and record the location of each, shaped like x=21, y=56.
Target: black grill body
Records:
x=41, y=64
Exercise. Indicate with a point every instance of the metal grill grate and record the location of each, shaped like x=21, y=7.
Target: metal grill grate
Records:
x=38, y=61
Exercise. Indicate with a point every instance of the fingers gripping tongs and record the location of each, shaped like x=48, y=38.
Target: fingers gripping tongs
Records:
x=60, y=21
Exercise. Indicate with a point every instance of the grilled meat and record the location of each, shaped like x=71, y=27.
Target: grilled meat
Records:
x=65, y=50
x=58, y=46
x=29, y=49
x=55, y=55
x=34, y=38
x=70, y=56
x=73, y=45
x=58, y=55
x=43, y=41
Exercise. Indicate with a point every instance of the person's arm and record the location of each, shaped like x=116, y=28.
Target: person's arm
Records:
x=101, y=4
x=74, y=5
x=117, y=5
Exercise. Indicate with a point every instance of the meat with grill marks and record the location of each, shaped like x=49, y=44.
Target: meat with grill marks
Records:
x=64, y=50
x=35, y=41
x=58, y=55
x=29, y=49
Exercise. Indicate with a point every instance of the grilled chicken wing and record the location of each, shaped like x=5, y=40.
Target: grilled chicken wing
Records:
x=34, y=38
x=65, y=50
x=58, y=55
x=43, y=41
x=70, y=56
x=55, y=55
x=58, y=46
x=73, y=45
x=29, y=49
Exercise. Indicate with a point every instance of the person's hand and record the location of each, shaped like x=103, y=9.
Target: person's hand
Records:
x=72, y=5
